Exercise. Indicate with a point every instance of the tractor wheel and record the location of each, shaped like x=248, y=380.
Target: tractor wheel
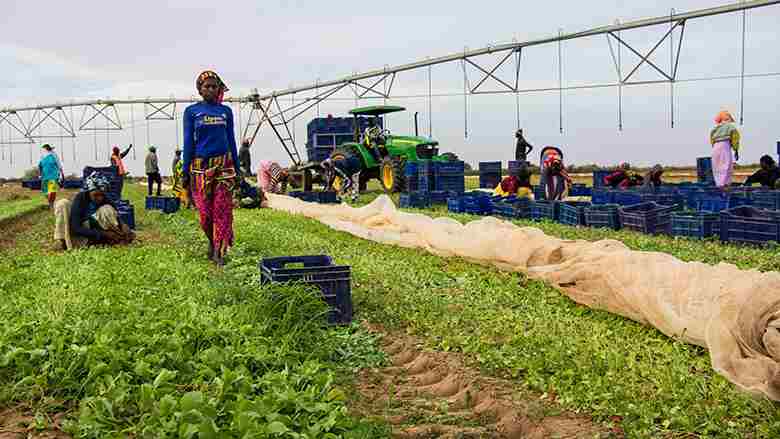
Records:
x=391, y=175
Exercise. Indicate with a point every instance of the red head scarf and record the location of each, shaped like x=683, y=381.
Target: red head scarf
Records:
x=211, y=74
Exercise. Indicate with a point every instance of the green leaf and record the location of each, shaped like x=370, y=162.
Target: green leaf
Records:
x=191, y=401
x=276, y=427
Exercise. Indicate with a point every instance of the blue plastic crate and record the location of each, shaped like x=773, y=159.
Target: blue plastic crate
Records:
x=164, y=204
x=572, y=212
x=328, y=197
x=627, y=198
x=127, y=215
x=650, y=218
x=749, y=225
x=603, y=215
x=410, y=170
x=32, y=184
x=477, y=205
x=440, y=197
x=490, y=168
x=541, y=210
x=580, y=190
x=333, y=281
x=718, y=203
x=427, y=167
x=452, y=183
x=539, y=193
x=489, y=181
x=454, y=205
x=310, y=197
x=455, y=167
x=598, y=177
x=695, y=224
x=415, y=200
x=75, y=183
x=769, y=200
x=603, y=196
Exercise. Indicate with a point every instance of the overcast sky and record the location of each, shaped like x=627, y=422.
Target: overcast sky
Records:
x=78, y=49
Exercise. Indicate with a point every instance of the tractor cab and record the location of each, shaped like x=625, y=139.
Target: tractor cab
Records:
x=374, y=136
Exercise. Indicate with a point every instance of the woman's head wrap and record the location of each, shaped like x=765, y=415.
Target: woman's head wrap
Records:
x=97, y=182
x=724, y=116
x=211, y=74
x=47, y=147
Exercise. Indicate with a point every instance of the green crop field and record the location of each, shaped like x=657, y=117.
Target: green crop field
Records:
x=151, y=340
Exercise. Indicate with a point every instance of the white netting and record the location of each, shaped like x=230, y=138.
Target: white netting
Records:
x=733, y=313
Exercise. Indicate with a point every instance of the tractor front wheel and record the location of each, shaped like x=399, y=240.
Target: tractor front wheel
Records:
x=391, y=175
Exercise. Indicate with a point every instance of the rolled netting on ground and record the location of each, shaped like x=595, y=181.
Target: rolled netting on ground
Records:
x=734, y=313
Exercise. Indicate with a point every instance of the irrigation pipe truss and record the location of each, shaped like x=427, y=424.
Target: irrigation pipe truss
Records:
x=26, y=122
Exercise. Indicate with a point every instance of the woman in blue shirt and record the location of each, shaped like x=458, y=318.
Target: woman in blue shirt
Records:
x=209, y=159
x=51, y=174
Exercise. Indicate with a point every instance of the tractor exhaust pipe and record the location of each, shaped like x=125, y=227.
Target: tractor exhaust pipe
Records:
x=417, y=130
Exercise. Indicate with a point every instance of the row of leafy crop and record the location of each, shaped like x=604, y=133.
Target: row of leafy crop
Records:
x=15, y=208
x=152, y=341
x=526, y=330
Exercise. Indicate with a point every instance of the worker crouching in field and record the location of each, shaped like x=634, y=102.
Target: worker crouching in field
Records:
x=768, y=176
x=518, y=185
x=345, y=169
x=623, y=179
x=272, y=178
x=90, y=218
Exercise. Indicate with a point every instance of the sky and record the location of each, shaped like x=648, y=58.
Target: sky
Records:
x=97, y=49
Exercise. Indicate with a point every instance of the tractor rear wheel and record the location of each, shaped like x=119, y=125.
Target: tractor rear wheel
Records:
x=391, y=174
x=343, y=153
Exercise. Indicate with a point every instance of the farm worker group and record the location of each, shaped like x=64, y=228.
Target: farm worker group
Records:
x=209, y=170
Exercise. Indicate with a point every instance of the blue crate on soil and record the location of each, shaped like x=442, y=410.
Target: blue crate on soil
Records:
x=415, y=200
x=544, y=210
x=511, y=207
x=694, y=224
x=627, y=198
x=410, y=169
x=453, y=167
x=452, y=183
x=769, y=200
x=603, y=196
x=480, y=205
x=580, y=190
x=441, y=197
x=749, y=225
x=310, y=197
x=603, y=215
x=572, y=212
x=333, y=281
x=719, y=202
x=126, y=213
x=32, y=184
x=598, y=177
x=75, y=183
x=650, y=218
x=164, y=204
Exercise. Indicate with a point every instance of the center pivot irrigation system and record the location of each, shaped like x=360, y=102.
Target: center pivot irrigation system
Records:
x=25, y=124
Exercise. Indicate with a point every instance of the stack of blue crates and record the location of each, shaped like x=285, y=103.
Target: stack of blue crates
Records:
x=749, y=225
x=489, y=174
x=432, y=182
x=327, y=133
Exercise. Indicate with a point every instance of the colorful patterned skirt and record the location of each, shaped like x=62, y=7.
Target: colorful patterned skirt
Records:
x=213, y=181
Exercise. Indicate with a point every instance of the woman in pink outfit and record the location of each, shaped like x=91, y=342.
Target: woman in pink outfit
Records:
x=272, y=178
x=725, y=140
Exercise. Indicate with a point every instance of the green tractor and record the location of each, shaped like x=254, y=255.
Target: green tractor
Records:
x=384, y=155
